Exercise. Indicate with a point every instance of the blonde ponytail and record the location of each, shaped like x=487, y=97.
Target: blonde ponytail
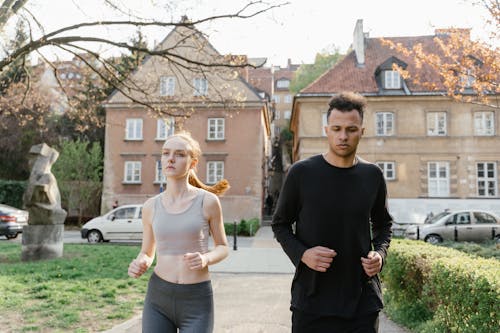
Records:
x=218, y=189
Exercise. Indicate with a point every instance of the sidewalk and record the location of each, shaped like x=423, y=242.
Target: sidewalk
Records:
x=252, y=290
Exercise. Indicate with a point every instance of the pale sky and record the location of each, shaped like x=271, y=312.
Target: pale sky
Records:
x=298, y=30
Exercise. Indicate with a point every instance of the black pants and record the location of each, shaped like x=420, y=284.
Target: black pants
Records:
x=303, y=322
x=184, y=308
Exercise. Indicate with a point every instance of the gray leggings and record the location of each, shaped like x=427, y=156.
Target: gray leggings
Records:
x=171, y=306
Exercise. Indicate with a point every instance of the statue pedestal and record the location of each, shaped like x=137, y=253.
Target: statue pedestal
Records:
x=42, y=242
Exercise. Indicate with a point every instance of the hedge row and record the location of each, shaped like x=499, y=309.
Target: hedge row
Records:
x=436, y=289
x=11, y=192
x=243, y=228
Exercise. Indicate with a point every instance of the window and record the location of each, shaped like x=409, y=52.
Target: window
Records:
x=167, y=86
x=438, y=179
x=462, y=218
x=287, y=99
x=215, y=171
x=215, y=128
x=134, y=129
x=276, y=98
x=436, y=123
x=165, y=128
x=125, y=213
x=482, y=217
x=287, y=114
x=388, y=169
x=468, y=79
x=487, y=179
x=324, y=123
x=484, y=123
x=385, y=123
x=392, y=80
x=277, y=114
x=132, y=172
x=159, y=176
x=200, y=87
x=282, y=84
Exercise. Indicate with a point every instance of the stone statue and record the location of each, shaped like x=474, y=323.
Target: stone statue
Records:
x=42, y=197
x=43, y=236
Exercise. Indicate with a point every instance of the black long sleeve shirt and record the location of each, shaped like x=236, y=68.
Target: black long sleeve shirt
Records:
x=333, y=207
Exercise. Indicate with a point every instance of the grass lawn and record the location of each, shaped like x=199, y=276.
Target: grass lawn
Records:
x=88, y=290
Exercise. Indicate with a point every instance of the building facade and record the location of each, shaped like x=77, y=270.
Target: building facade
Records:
x=273, y=82
x=435, y=152
x=220, y=110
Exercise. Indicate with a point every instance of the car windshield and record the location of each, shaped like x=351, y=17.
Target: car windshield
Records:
x=437, y=217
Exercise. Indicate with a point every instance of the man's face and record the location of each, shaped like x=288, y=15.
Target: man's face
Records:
x=344, y=130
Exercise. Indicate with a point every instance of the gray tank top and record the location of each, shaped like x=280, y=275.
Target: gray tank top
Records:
x=180, y=232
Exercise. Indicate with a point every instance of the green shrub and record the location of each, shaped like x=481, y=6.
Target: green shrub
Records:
x=11, y=192
x=244, y=227
x=229, y=228
x=485, y=249
x=436, y=289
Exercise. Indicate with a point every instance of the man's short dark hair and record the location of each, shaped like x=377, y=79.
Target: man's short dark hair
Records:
x=347, y=101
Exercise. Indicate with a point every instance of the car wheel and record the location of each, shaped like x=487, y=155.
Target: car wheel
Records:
x=433, y=239
x=11, y=236
x=94, y=236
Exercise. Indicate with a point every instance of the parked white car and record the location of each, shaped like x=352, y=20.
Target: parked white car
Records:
x=21, y=215
x=465, y=225
x=122, y=223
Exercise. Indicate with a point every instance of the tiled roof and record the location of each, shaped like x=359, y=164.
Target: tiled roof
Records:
x=261, y=78
x=347, y=76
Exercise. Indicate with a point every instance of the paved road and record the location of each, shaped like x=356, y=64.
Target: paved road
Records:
x=73, y=236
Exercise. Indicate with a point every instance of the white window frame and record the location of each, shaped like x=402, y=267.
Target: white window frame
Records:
x=436, y=123
x=484, y=123
x=468, y=79
x=324, y=122
x=277, y=114
x=384, y=123
x=438, y=185
x=486, y=173
x=132, y=172
x=164, y=128
x=388, y=169
x=216, y=129
x=276, y=99
x=215, y=171
x=133, y=130
x=392, y=79
x=159, y=176
x=282, y=84
x=167, y=85
x=287, y=99
x=200, y=85
x=287, y=114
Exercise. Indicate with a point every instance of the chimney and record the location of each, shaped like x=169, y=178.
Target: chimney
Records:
x=289, y=63
x=359, y=43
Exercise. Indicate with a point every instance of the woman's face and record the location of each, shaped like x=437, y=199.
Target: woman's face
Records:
x=176, y=160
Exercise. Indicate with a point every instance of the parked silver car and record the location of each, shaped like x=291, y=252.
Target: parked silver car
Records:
x=122, y=223
x=465, y=225
x=21, y=215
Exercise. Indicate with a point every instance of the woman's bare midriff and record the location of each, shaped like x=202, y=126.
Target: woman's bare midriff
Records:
x=173, y=268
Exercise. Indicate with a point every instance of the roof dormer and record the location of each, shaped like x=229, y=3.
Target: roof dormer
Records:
x=389, y=79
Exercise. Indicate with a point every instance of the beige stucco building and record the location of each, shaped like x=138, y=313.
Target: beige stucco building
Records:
x=435, y=152
x=220, y=109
